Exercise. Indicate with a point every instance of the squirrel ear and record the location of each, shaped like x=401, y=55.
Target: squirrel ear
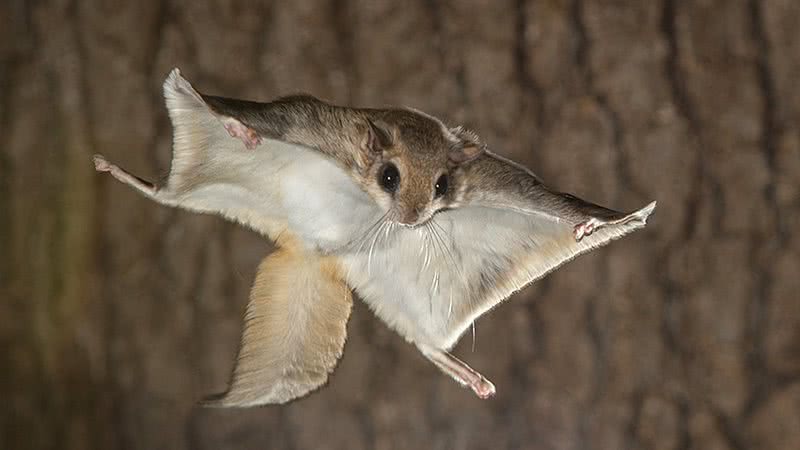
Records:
x=379, y=135
x=466, y=153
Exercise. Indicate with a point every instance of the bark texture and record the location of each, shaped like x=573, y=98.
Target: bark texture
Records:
x=117, y=315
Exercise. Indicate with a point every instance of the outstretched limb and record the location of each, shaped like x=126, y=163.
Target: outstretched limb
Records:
x=588, y=227
x=147, y=188
x=161, y=195
x=459, y=371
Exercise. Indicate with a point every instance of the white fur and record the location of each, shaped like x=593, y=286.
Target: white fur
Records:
x=398, y=284
x=427, y=288
x=275, y=187
x=430, y=283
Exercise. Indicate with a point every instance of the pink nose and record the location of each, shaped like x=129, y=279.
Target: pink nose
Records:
x=411, y=217
x=413, y=214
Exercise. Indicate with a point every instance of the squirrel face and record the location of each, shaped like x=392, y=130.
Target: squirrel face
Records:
x=414, y=170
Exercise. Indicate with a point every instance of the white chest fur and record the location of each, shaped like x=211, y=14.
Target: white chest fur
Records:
x=419, y=280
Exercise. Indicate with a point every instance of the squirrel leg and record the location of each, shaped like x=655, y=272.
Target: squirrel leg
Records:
x=459, y=371
x=101, y=164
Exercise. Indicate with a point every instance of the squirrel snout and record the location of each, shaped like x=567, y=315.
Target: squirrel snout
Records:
x=410, y=217
x=413, y=214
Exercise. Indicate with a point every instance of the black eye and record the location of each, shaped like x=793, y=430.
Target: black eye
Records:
x=389, y=178
x=441, y=186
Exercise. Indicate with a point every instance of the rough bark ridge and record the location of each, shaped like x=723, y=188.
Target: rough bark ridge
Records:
x=116, y=314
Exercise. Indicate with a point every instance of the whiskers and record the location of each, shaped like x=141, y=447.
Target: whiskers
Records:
x=375, y=236
x=435, y=239
x=438, y=260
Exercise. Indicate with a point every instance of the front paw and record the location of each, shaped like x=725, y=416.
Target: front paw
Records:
x=236, y=129
x=586, y=228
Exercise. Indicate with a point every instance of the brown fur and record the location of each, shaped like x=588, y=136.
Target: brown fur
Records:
x=512, y=229
x=421, y=146
x=295, y=328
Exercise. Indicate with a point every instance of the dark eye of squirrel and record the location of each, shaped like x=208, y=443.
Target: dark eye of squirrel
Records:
x=441, y=186
x=389, y=178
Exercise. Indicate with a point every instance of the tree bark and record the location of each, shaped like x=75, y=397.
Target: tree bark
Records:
x=117, y=315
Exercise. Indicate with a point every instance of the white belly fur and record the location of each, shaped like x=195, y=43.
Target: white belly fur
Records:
x=420, y=295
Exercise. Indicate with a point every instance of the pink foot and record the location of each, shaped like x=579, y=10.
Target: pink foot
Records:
x=101, y=164
x=482, y=387
x=236, y=129
x=586, y=228
x=460, y=371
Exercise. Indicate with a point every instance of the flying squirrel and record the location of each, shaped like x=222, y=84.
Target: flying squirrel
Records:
x=420, y=220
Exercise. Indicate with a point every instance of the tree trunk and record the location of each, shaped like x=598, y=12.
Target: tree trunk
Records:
x=117, y=315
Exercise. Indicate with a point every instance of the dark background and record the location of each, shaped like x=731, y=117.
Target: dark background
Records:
x=117, y=315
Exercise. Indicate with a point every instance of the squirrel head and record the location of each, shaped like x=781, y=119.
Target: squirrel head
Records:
x=414, y=163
